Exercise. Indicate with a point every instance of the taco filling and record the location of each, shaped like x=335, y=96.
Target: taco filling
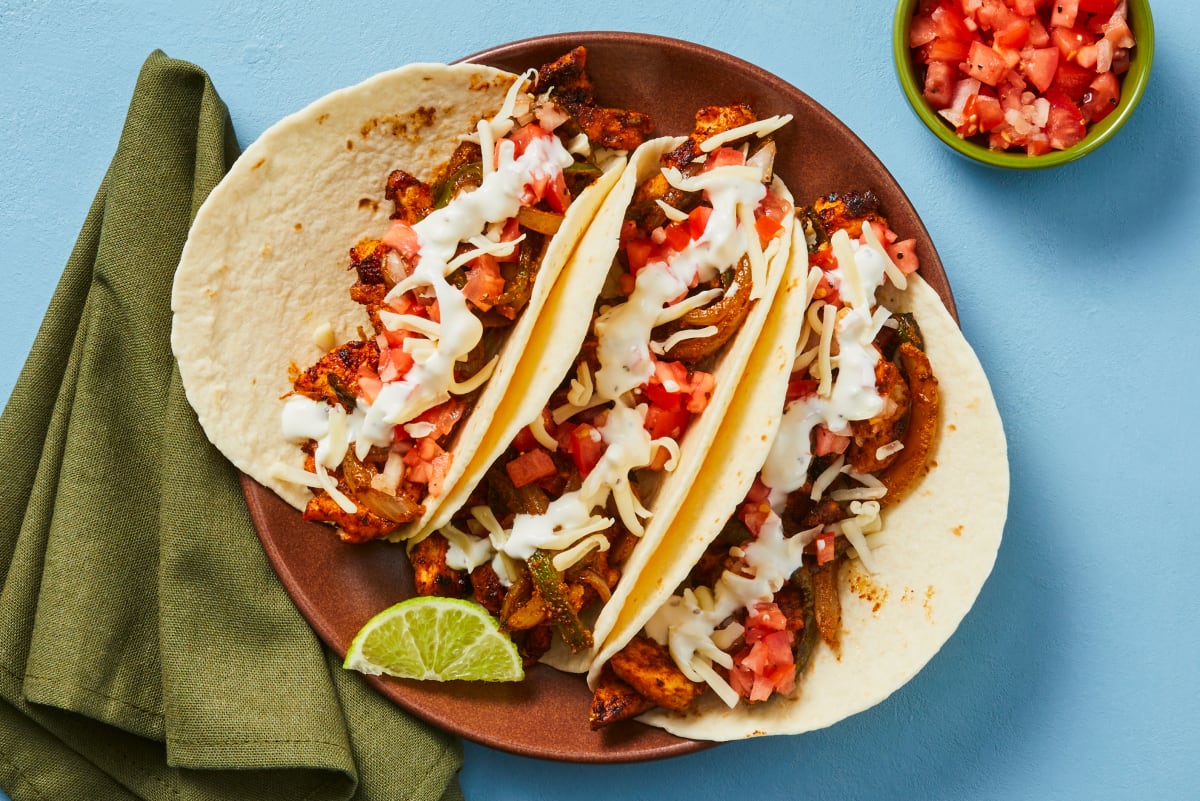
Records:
x=543, y=539
x=378, y=417
x=858, y=425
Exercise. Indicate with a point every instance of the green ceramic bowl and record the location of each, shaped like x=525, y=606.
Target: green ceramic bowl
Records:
x=1133, y=85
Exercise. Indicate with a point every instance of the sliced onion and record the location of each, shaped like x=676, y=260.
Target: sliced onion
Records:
x=544, y=222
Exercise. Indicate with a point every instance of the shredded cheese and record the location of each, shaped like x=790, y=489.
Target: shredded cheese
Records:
x=677, y=310
x=681, y=335
x=476, y=381
x=759, y=128
x=569, y=557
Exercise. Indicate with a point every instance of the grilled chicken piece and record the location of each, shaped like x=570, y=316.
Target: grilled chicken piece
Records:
x=570, y=86
x=647, y=667
x=361, y=525
x=848, y=210
x=334, y=377
x=413, y=197
x=486, y=586
x=431, y=574
x=614, y=700
x=709, y=121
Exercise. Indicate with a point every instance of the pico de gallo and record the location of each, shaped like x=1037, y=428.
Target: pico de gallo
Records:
x=859, y=420
x=542, y=541
x=443, y=288
x=1022, y=74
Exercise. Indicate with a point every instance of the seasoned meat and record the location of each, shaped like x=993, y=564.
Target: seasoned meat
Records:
x=361, y=525
x=614, y=700
x=848, y=210
x=709, y=121
x=334, y=377
x=570, y=86
x=647, y=667
x=412, y=197
x=431, y=574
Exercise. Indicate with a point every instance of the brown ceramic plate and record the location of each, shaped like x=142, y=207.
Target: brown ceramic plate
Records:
x=338, y=587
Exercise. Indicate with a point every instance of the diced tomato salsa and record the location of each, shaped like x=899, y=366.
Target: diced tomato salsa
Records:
x=1022, y=74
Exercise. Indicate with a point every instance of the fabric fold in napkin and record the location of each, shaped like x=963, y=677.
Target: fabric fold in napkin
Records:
x=147, y=649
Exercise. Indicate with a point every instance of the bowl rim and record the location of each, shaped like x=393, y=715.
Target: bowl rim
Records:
x=1133, y=86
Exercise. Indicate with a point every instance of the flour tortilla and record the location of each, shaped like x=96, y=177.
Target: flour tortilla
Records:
x=936, y=552
x=266, y=260
x=557, y=337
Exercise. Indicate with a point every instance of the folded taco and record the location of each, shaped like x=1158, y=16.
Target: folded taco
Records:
x=358, y=388
x=846, y=516
x=640, y=350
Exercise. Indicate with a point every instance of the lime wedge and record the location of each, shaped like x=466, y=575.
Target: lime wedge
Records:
x=435, y=639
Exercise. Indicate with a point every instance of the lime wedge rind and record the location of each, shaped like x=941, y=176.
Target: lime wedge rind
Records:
x=435, y=639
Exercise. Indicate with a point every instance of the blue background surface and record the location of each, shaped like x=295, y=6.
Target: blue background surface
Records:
x=1075, y=676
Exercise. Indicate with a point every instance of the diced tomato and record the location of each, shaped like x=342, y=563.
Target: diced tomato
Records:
x=484, y=282
x=369, y=383
x=1015, y=34
x=753, y=515
x=1101, y=97
x=824, y=545
x=799, y=386
x=640, y=252
x=662, y=422
x=1072, y=80
x=394, y=361
x=765, y=618
x=511, y=230
x=677, y=235
x=530, y=467
x=1069, y=41
x=766, y=665
x=904, y=252
x=922, y=31
x=1066, y=125
x=940, y=77
x=444, y=416
x=1039, y=65
x=984, y=64
x=698, y=220
x=661, y=397
x=585, y=447
x=759, y=492
x=555, y=193
x=767, y=229
x=772, y=210
x=724, y=157
x=828, y=442
x=1024, y=48
x=402, y=238
x=700, y=390
x=526, y=134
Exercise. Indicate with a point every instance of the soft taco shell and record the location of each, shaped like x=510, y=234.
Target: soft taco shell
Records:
x=266, y=260
x=937, y=548
x=557, y=336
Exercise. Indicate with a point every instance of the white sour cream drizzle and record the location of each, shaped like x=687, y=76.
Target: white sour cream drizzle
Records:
x=624, y=330
x=687, y=624
x=437, y=346
x=853, y=395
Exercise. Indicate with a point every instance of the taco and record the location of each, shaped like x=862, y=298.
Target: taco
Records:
x=847, y=515
x=640, y=350
x=361, y=401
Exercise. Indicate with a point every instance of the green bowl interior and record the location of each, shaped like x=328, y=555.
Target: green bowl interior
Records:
x=1133, y=85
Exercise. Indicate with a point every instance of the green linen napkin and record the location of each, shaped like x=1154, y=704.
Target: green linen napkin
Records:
x=147, y=650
